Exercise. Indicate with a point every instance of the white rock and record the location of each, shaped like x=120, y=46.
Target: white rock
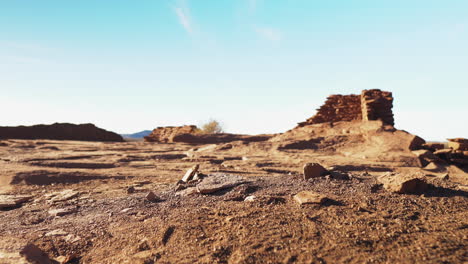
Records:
x=250, y=198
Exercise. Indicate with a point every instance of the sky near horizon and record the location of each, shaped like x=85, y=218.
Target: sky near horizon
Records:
x=257, y=66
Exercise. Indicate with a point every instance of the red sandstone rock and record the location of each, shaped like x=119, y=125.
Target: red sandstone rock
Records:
x=403, y=183
x=60, y=131
x=313, y=170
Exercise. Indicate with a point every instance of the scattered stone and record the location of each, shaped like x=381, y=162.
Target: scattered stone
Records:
x=11, y=201
x=190, y=173
x=62, y=211
x=187, y=191
x=308, y=197
x=126, y=210
x=436, y=167
x=63, y=195
x=65, y=259
x=239, y=192
x=403, y=183
x=442, y=151
x=219, y=181
x=143, y=245
x=70, y=238
x=314, y=170
x=250, y=198
x=339, y=175
x=458, y=145
x=425, y=157
x=56, y=232
x=433, y=146
x=130, y=189
x=152, y=197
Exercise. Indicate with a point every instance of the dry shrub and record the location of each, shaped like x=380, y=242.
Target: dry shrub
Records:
x=212, y=127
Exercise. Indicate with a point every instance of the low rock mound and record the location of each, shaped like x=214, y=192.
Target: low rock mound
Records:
x=362, y=139
x=60, y=131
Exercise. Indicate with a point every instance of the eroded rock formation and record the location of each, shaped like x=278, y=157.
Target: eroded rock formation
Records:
x=60, y=131
x=370, y=105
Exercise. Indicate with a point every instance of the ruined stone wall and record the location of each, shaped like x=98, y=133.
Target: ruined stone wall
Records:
x=337, y=108
x=370, y=105
x=167, y=134
x=377, y=104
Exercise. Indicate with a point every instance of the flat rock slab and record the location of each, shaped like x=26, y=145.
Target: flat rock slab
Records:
x=62, y=211
x=308, y=197
x=16, y=251
x=404, y=183
x=190, y=173
x=219, y=181
x=63, y=195
x=10, y=201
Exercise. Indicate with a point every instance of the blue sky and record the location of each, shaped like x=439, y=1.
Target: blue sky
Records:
x=257, y=66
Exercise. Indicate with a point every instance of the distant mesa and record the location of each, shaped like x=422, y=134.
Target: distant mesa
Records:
x=138, y=135
x=60, y=131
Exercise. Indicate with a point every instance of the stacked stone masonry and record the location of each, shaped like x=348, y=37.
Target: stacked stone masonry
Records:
x=370, y=105
x=167, y=134
x=377, y=104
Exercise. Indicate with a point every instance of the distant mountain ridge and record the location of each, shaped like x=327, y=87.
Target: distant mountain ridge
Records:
x=140, y=134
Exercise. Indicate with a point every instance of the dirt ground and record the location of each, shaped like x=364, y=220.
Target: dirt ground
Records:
x=103, y=222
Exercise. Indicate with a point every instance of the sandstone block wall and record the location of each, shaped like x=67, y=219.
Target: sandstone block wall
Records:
x=377, y=104
x=338, y=108
x=370, y=105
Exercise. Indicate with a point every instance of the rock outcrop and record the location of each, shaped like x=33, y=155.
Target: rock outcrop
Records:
x=372, y=104
x=456, y=152
x=60, y=131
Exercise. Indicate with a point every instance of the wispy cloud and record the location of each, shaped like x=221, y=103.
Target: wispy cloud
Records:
x=269, y=33
x=183, y=14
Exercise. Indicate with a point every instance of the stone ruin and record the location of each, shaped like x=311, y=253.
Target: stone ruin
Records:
x=371, y=104
x=167, y=134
